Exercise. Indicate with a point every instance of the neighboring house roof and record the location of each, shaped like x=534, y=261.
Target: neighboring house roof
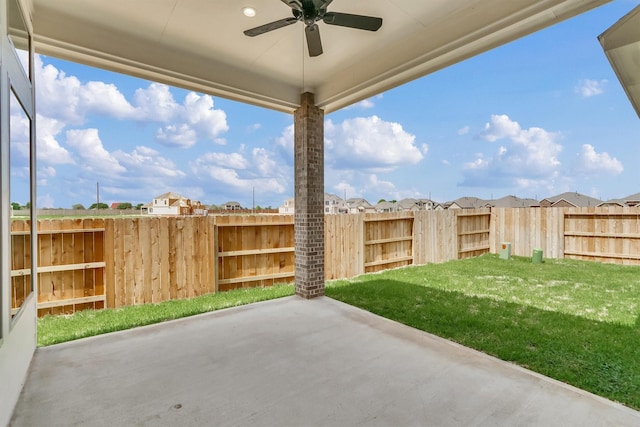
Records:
x=169, y=195
x=631, y=200
x=358, y=201
x=573, y=198
x=183, y=203
x=385, y=205
x=332, y=197
x=512, y=202
x=407, y=204
x=468, y=202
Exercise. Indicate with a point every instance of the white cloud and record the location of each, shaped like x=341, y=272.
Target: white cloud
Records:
x=343, y=188
x=464, y=130
x=528, y=155
x=94, y=158
x=200, y=114
x=369, y=143
x=49, y=150
x=177, y=136
x=285, y=144
x=233, y=173
x=366, y=104
x=67, y=99
x=589, y=162
x=588, y=88
x=44, y=173
x=386, y=189
x=263, y=162
x=147, y=164
x=230, y=160
x=99, y=98
x=155, y=103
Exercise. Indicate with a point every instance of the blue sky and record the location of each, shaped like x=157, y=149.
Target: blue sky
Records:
x=534, y=118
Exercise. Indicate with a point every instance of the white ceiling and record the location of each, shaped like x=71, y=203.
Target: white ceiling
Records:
x=621, y=44
x=200, y=45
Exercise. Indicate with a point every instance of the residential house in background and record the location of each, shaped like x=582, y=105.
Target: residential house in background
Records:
x=385, y=206
x=465, y=203
x=174, y=204
x=334, y=204
x=289, y=207
x=413, y=205
x=511, y=202
x=569, y=200
x=629, y=201
x=232, y=206
x=408, y=205
x=426, y=204
x=359, y=205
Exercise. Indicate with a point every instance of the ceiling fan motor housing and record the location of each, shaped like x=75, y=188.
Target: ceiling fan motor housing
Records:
x=312, y=11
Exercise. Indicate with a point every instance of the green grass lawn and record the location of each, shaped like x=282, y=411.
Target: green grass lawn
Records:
x=577, y=322
x=82, y=324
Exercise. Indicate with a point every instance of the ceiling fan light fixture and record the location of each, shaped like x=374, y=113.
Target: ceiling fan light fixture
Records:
x=248, y=11
x=311, y=11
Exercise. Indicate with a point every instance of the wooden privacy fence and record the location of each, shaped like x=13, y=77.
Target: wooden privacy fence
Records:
x=114, y=262
x=254, y=250
x=71, y=264
x=154, y=259
x=604, y=234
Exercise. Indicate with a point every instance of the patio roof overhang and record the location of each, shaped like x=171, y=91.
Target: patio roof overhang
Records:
x=621, y=44
x=200, y=45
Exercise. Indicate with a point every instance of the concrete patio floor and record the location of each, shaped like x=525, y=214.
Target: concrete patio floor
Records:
x=293, y=362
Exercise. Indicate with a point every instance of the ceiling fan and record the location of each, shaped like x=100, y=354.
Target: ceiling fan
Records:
x=312, y=11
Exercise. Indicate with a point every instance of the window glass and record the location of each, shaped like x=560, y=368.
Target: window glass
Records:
x=19, y=191
x=19, y=34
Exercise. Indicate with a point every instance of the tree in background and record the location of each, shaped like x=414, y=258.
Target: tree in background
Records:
x=125, y=205
x=78, y=206
x=16, y=206
x=139, y=205
x=99, y=206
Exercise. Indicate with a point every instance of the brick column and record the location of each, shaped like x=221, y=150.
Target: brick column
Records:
x=309, y=198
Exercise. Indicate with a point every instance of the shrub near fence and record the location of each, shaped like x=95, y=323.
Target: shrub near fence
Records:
x=113, y=262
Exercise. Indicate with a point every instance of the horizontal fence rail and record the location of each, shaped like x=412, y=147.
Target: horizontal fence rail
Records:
x=115, y=262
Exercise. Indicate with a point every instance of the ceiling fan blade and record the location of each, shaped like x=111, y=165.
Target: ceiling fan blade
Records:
x=270, y=27
x=313, y=40
x=360, y=22
x=293, y=4
x=321, y=4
